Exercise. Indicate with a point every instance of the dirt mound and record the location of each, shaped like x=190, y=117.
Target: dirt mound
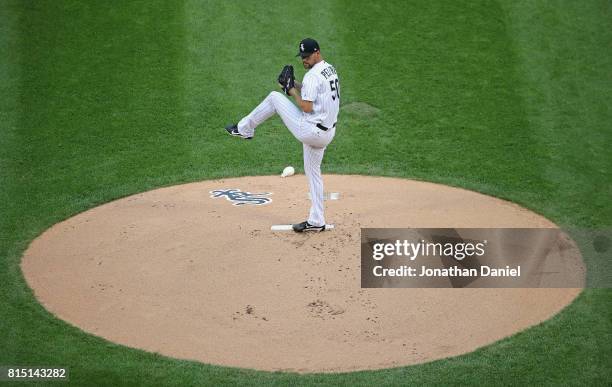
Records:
x=193, y=276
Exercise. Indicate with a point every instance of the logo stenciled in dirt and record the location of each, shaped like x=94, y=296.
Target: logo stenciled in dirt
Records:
x=239, y=198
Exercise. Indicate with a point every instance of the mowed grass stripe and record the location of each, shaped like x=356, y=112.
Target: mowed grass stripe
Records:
x=567, y=89
x=235, y=52
x=441, y=78
x=9, y=111
x=233, y=59
x=97, y=99
x=10, y=313
x=101, y=97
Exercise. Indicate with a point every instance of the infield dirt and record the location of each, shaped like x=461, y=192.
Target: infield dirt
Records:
x=180, y=273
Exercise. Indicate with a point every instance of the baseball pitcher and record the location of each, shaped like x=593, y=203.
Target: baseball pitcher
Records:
x=312, y=121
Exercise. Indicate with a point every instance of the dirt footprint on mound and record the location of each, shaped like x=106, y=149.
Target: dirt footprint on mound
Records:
x=248, y=313
x=323, y=309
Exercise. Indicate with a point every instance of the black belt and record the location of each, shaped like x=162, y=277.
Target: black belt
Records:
x=323, y=127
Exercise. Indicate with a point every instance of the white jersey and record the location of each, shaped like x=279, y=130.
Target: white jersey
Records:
x=321, y=86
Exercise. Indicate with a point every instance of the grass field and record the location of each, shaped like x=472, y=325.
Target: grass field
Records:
x=101, y=100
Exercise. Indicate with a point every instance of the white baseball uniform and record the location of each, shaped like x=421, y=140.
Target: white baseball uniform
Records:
x=320, y=86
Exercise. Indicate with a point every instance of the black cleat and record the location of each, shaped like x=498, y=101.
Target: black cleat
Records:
x=305, y=226
x=232, y=129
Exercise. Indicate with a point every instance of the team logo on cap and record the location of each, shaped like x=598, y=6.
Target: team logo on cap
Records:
x=302, y=47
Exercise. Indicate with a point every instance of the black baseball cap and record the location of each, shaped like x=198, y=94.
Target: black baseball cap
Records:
x=307, y=47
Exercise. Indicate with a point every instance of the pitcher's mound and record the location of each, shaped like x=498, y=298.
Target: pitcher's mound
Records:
x=178, y=272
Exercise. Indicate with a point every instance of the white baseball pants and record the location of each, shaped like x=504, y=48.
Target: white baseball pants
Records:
x=313, y=139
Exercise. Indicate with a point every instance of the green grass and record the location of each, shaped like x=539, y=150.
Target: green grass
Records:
x=98, y=101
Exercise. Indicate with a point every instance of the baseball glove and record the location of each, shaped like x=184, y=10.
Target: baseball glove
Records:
x=286, y=79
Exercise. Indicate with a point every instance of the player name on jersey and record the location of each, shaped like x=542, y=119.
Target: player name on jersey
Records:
x=328, y=72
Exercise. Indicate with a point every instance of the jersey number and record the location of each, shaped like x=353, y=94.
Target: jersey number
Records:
x=336, y=89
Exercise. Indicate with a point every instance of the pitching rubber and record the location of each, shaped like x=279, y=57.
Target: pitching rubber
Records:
x=289, y=227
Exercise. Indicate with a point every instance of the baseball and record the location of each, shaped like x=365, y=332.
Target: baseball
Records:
x=288, y=171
